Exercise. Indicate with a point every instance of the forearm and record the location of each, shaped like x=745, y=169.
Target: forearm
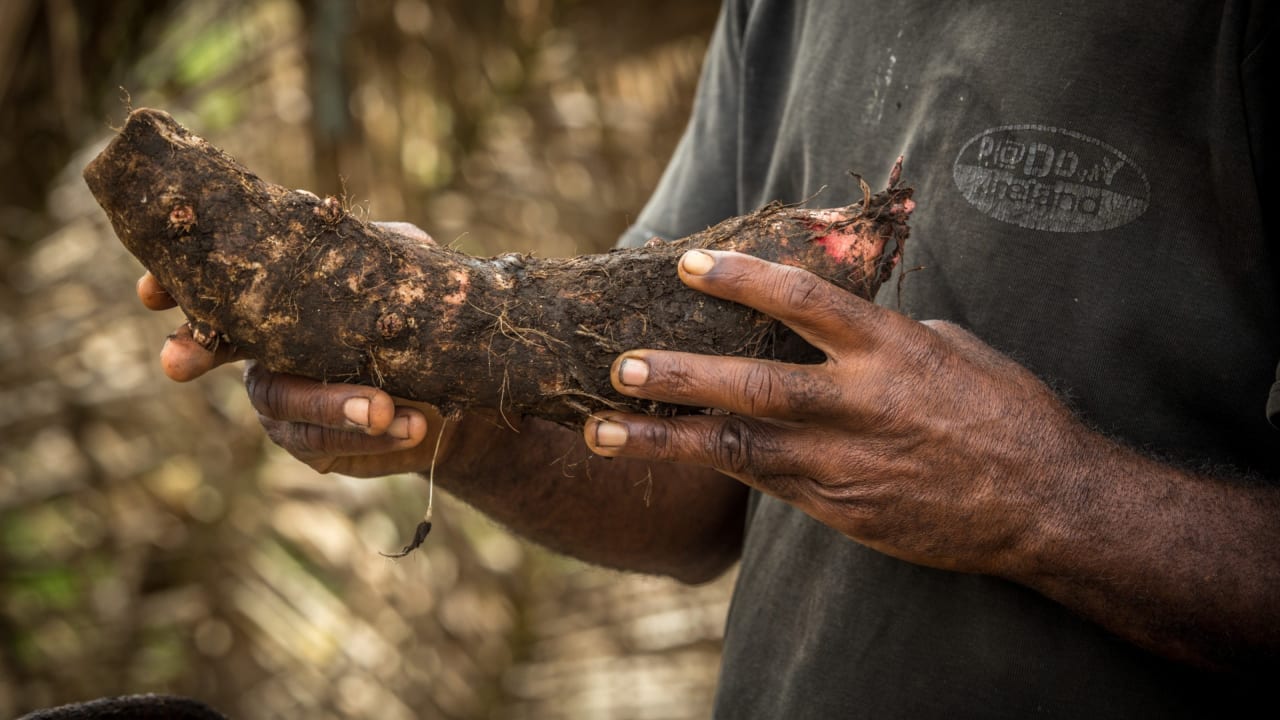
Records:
x=1183, y=564
x=533, y=476
x=544, y=484
x=922, y=442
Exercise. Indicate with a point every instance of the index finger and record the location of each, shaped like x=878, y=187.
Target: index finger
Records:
x=296, y=399
x=828, y=317
x=743, y=386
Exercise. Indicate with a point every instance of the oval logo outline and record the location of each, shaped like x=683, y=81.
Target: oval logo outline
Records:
x=1041, y=177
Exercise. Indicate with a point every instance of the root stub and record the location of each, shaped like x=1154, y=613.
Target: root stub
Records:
x=304, y=287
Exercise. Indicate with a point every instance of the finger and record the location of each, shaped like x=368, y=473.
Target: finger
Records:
x=152, y=295
x=183, y=359
x=753, y=451
x=341, y=406
x=757, y=388
x=829, y=318
x=319, y=446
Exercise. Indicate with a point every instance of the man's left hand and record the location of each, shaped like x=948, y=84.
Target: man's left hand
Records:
x=916, y=439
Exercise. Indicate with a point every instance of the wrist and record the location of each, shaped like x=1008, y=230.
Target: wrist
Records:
x=1042, y=486
x=1076, y=488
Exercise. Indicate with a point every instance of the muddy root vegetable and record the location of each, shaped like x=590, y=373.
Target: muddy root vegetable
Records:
x=301, y=285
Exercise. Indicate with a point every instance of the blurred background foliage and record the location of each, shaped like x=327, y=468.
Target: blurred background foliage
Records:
x=151, y=540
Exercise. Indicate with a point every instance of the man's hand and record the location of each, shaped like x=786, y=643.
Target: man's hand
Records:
x=680, y=521
x=333, y=427
x=915, y=439
x=920, y=441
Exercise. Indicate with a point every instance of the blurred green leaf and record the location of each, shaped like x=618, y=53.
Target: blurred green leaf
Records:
x=213, y=52
x=219, y=109
x=54, y=588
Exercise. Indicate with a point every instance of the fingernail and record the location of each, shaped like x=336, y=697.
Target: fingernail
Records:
x=696, y=262
x=611, y=434
x=399, y=428
x=357, y=411
x=633, y=372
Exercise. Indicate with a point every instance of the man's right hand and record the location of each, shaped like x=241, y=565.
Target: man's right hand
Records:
x=536, y=477
x=332, y=427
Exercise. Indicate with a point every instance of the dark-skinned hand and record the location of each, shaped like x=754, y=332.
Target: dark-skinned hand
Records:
x=913, y=438
x=332, y=427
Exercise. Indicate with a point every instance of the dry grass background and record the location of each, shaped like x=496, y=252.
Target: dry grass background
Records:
x=150, y=538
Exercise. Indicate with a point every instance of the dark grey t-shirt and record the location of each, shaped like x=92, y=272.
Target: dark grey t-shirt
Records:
x=1088, y=177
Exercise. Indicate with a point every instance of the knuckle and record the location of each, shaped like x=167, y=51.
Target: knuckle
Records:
x=949, y=338
x=813, y=394
x=778, y=391
x=943, y=336
x=314, y=438
x=939, y=325
x=922, y=370
x=261, y=388
x=946, y=330
x=800, y=288
x=927, y=357
x=762, y=389
x=278, y=397
x=897, y=391
x=734, y=449
x=306, y=443
x=661, y=437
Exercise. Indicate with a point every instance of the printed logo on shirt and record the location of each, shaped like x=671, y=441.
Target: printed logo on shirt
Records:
x=1047, y=178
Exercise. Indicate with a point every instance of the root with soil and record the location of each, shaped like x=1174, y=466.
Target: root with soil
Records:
x=305, y=287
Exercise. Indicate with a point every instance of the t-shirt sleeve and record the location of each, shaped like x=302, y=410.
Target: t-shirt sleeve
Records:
x=700, y=184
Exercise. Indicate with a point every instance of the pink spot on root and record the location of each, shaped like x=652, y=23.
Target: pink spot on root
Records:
x=845, y=244
x=841, y=246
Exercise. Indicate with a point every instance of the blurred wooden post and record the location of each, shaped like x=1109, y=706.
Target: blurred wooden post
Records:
x=333, y=133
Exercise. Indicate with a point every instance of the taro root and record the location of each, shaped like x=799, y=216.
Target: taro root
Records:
x=303, y=286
